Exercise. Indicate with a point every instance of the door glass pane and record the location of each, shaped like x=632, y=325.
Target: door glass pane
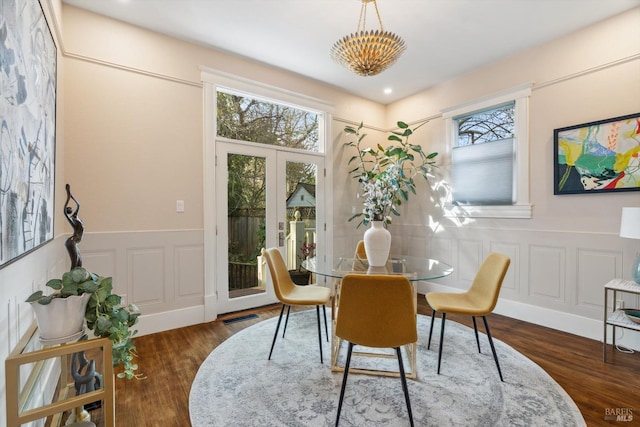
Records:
x=246, y=202
x=301, y=217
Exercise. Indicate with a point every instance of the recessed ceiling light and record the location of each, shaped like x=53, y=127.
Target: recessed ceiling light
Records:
x=387, y=91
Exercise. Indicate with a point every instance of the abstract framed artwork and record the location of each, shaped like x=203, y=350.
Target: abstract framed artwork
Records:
x=597, y=157
x=28, y=61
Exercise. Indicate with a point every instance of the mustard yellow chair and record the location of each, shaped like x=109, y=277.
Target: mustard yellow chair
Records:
x=359, y=256
x=288, y=293
x=361, y=253
x=376, y=311
x=479, y=300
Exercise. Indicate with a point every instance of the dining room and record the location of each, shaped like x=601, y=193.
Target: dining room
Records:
x=178, y=202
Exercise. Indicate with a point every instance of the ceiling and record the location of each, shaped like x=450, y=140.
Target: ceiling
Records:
x=445, y=38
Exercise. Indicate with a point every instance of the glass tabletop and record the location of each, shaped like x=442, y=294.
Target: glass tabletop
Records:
x=415, y=268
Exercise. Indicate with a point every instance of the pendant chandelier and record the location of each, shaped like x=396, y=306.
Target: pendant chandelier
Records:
x=368, y=53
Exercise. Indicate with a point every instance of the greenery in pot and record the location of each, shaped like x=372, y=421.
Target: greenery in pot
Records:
x=387, y=173
x=105, y=314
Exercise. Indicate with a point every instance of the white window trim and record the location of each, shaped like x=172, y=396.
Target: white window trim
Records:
x=522, y=206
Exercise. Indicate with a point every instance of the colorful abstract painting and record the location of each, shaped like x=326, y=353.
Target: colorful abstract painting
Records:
x=597, y=157
x=27, y=128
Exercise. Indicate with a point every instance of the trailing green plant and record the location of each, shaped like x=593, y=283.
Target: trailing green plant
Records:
x=105, y=315
x=387, y=173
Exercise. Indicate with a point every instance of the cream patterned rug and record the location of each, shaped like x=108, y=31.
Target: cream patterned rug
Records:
x=237, y=386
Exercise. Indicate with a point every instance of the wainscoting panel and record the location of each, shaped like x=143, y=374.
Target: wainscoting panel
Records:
x=101, y=261
x=146, y=275
x=188, y=271
x=594, y=269
x=469, y=258
x=547, y=271
x=510, y=285
x=556, y=278
x=162, y=272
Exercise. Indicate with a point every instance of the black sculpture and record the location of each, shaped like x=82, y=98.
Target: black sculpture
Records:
x=85, y=377
x=78, y=229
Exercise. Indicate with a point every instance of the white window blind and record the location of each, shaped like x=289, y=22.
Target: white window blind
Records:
x=483, y=173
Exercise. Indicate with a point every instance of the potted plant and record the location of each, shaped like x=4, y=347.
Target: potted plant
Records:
x=300, y=276
x=103, y=311
x=387, y=177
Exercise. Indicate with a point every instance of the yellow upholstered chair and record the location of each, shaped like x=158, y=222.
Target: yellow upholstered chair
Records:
x=359, y=256
x=376, y=311
x=479, y=300
x=289, y=294
x=361, y=253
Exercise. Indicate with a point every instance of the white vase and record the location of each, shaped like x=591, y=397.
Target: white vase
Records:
x=62, y=319
x=377, y=244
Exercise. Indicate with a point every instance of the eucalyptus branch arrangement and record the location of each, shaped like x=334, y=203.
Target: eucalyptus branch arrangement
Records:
x=386, y=173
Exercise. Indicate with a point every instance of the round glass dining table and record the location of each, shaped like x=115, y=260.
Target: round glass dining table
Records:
x=414, y=268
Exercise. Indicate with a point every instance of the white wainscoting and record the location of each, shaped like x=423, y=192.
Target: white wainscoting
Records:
x=162, y=272
x=556, y=278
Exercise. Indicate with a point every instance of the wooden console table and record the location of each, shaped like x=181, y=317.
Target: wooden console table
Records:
x=29, y=357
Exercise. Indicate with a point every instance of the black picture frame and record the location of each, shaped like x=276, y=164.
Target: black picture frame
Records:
x=597, y=157
x=27, y=130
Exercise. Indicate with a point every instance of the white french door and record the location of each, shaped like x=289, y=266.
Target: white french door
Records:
x=258, y=190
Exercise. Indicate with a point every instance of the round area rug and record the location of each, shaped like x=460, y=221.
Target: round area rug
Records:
x=237, y=386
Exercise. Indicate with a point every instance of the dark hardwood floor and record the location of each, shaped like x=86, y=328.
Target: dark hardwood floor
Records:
x=171, y=359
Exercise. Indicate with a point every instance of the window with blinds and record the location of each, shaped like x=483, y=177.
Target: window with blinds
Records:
x=488, y=142
x=483, y=157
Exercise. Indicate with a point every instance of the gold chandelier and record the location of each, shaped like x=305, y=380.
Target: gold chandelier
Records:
x=368, y=53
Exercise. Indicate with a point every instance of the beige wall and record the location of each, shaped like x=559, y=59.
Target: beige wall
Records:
x=134, y=128
x=590, y=75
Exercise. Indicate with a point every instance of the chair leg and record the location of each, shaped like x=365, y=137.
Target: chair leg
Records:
x=433, y=316
x=493, y=349
x=326, y=330
x=404, y=385
x=286, y=322
x=475, y=329
x=344, y=381
x=276, y=333
x=443, y=318
x=319, y=332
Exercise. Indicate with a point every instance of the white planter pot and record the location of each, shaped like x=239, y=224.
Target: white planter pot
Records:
x=377, y=244
x=62, y=319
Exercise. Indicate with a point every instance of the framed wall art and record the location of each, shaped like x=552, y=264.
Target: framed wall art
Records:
x=597, y=157
x=27, y=129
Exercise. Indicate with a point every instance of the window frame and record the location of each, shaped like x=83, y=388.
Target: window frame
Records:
x=521, y=208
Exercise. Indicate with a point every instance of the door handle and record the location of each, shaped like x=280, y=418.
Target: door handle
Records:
x=281, y=238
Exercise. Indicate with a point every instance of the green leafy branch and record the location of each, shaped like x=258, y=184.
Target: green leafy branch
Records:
x=370, y=164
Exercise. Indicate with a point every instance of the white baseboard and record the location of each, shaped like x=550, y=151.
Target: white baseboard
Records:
x=159, y=322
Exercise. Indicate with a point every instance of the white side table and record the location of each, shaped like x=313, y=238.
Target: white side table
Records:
x=617, y=318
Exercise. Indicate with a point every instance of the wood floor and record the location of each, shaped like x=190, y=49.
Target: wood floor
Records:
x=171, y=359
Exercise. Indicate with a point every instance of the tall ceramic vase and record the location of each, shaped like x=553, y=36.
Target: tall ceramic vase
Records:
x=377, y=243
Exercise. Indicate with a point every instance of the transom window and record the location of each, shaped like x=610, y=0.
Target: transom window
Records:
x=248, y=118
